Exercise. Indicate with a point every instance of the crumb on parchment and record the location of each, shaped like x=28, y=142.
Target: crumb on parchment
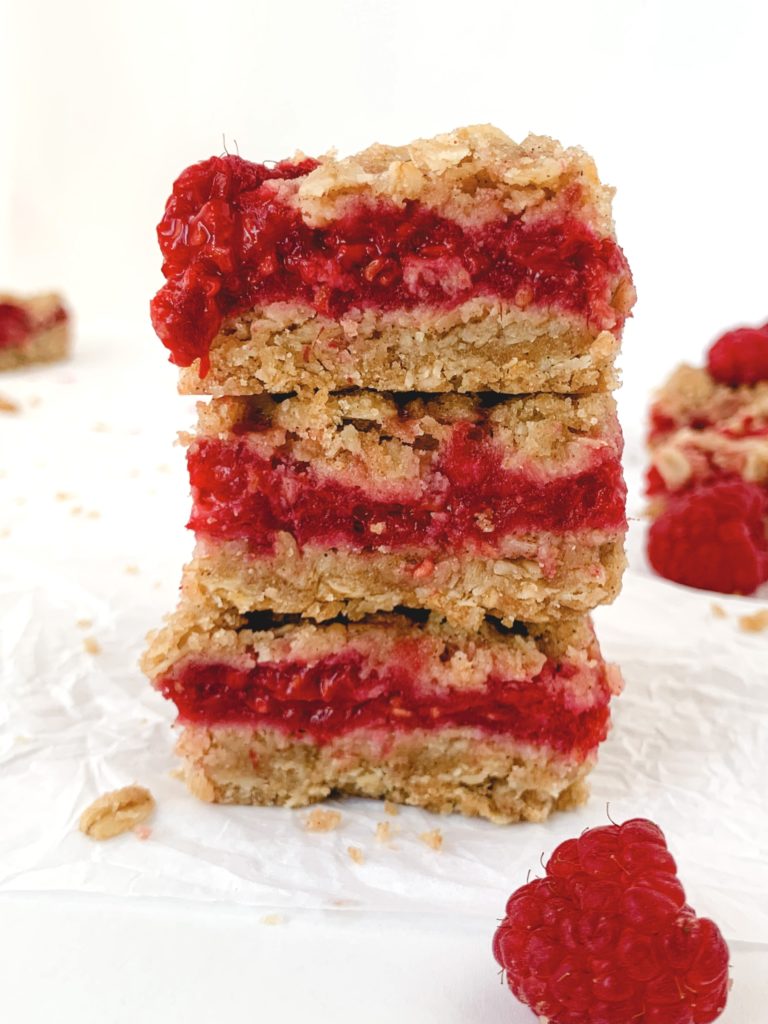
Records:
x=8, y=404
x=272, y=919
x=116, y=812
x=433, y=838
x=322, y=820
x=383, y=832
x=754, y=623
x=718, y=611
x=390, y=808
x=91, y=645
x=356, y=854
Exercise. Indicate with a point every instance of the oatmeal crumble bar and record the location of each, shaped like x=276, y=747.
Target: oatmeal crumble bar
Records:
x=364, y=501
x=502, y=723
x=32, y=330
x=461, y=263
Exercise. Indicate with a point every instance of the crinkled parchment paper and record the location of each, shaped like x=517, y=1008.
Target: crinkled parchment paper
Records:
x=93, y=500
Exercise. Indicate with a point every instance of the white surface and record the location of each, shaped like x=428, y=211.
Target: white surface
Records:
x=170, y=964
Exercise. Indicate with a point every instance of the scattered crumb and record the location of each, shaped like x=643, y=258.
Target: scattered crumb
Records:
x=322, y=820
x=117, y=812
x=100, y=428
x=433, y=838
x=142, y=832
x=383, y=832
x=8, y=405
x=272, y=919
x=131, y=570
x=356, y=854
x=5, y=532
x=84, y=623
x=91, y=645
x=176, y=773
x=755, y=623
x=390, y=808
x=157, y=584
x=94, y=514
x=34, y=401
x=62, y=496
x=76, y=511
x=718, y=611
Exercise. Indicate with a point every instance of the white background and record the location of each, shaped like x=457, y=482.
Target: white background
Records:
x=104, y=103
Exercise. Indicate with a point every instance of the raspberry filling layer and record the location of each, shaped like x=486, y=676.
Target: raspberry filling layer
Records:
x=17, y=326
x=467, y=499
x=230, y=242
x=342, y=692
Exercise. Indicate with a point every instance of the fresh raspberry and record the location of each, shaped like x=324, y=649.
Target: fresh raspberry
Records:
x=606, y=937
x=740, y=356
x=713, y=537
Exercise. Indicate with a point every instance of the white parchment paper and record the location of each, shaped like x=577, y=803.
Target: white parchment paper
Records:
x=93, y=499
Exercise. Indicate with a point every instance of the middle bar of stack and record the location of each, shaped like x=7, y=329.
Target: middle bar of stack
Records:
x=389, y=589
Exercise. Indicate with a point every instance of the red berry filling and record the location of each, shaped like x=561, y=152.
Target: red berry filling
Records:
x=606, y=937
x=342, y=692
x=466, y=500
x=740, y=356
x=230, y=242
x=15, y=325
x=713, y=537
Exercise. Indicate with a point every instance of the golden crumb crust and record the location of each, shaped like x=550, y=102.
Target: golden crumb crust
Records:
x=481, y=345
x=539, y=578
x=472, y=175
x=449, y=771
x=373, y=437
x=454, y=656
x=706, y=427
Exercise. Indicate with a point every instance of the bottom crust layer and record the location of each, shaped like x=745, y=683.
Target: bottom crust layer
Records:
x=46, y=346
x=457, y=770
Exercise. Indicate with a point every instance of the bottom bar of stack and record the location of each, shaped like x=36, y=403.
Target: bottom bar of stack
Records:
x=502, y=723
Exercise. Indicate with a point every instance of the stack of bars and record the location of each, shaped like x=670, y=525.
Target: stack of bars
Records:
x=407, y=487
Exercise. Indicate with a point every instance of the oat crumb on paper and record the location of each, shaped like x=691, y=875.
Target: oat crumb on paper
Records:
x=383, y=832
x=91, y=645
x=8, y=405
x=718, y=611
x=5, y=532
x=84, y=623
x=754, y=623
x=272, y=919
x=117, y=812
x=322, y=820
x=390, y=808
x=356, y=854
x=131, y=570
x=142, y=832
x=63, y=496
x=433, y=838
x=76, y=511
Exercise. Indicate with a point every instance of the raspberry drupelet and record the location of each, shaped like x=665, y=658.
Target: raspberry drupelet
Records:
x=606, y=937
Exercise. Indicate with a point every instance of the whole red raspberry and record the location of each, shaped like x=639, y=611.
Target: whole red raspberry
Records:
x=606, y=937
x=713, y=537
x=740, y=356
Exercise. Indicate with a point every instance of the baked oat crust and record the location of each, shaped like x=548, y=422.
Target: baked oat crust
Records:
x=322, y=583
x=453, y=770
x=482, y=345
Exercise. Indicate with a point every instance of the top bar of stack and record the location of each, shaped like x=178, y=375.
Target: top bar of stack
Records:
x=462, y=263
